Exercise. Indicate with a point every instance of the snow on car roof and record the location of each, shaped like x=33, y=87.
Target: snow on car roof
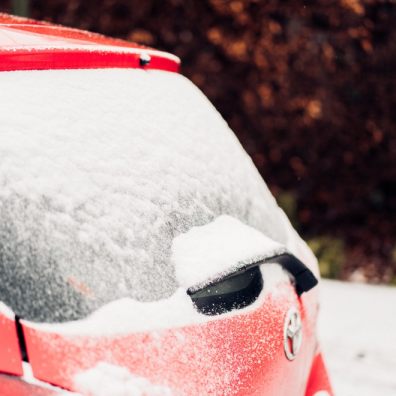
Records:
x=26, y=44
x=99, y=171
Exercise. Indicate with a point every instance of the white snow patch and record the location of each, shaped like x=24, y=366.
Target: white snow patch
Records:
x=217, y=249
x=18, y=40
x=6, y=311
x=99, y=171
x=106, y=379
x=357, y=329
x=127, y=315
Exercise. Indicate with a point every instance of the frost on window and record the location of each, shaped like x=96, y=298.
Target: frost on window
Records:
x=99, y=171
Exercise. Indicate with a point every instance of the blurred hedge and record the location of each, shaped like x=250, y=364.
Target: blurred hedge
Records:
x=308, y=86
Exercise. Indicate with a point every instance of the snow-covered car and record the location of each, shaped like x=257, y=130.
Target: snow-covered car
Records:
x=141, y=253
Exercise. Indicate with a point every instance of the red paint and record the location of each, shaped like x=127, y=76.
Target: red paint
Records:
x=10, y=354
x=241, y=354
x=16, y=386
x=318, y=379
x=30, y=45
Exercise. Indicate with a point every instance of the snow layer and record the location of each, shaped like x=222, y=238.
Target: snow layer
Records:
x=6, y=311
x=127, y=315
x=18, y=40
x=357, y=330
x=99, y=171
x=217, y=249
x=106, y=379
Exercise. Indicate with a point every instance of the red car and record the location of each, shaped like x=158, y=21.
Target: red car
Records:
x=140, y=251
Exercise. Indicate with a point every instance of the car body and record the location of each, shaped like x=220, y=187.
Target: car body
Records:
x=140, y=250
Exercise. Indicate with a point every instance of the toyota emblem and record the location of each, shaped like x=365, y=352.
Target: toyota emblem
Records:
x=292, y=333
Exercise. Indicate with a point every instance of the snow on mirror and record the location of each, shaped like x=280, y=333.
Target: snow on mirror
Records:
x=210, y=261
x=230, y=255
x=100, y=171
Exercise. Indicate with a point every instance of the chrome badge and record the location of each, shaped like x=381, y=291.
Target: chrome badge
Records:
x=292, y=333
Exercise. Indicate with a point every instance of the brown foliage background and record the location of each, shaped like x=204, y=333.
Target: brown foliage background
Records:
x=308, y=86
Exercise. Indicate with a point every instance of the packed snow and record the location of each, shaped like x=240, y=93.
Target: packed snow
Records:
x=357, y=328
x=216, y=249
x=17, y=40
x=6, y=311
x=105, y=379
x=109, y=196
x=357, y=332
x=126, y=315
x=99, y=171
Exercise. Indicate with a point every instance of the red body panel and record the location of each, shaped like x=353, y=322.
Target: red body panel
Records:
x=318, y=379
x=241, y=354
x=15, y=386
x=28, y=45
x=10, y=354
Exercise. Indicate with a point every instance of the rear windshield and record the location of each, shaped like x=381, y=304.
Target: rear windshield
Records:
x=99, y=171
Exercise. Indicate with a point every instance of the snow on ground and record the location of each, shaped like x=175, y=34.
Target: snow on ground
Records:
x=357, y=328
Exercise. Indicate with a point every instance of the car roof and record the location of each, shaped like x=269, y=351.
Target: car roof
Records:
x=26, y=44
